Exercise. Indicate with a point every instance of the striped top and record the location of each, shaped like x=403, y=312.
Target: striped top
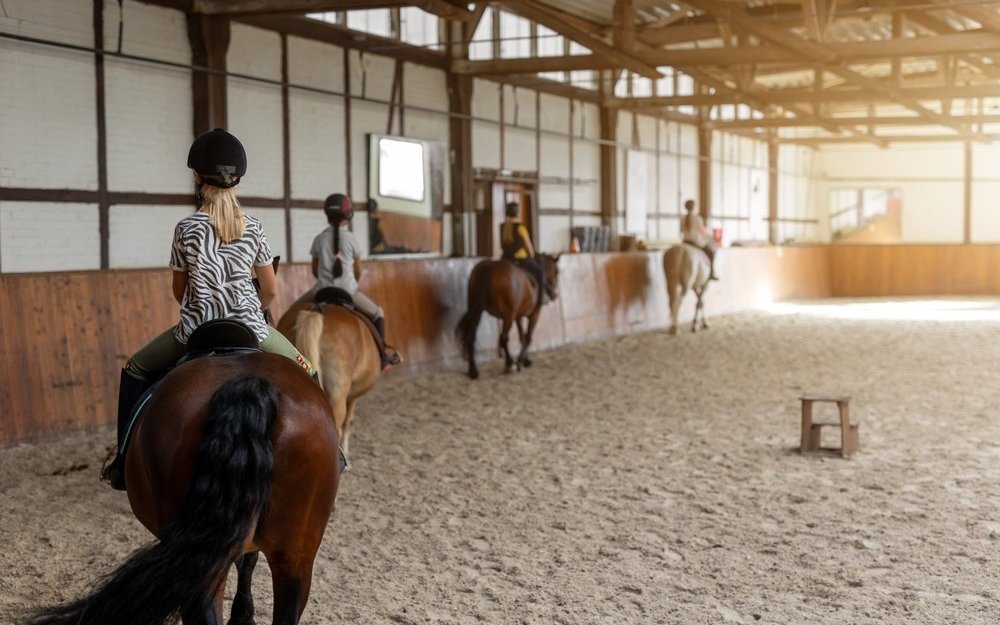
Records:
x=220, y=276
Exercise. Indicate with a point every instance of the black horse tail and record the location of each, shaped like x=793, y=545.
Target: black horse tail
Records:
x=467, y=327
x=229, y=490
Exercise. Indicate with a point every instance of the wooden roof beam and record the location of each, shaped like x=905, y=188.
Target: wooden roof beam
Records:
x=792, y=122
x=889, y=139
x=543, y=16
x=442, y=8
x=817, y=52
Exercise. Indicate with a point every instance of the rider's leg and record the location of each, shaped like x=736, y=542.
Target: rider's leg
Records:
x=538, y=273
x=139, y=373
x=374, y=312
x=276, y=343
x=710, y=249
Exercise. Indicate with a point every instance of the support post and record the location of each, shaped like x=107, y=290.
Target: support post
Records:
x=967, y=212
x=209, y=38
x=704, y=171
x=609, y=167
x=460, y=141
x=772, y=190
x=103, y=207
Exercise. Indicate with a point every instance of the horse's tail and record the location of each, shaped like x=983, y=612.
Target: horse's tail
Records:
x=308, y=331
x=229, y=489
x=469, y=324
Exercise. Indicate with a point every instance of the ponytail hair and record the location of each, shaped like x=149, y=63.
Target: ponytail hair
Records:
x=338, y=267
x=224, y=212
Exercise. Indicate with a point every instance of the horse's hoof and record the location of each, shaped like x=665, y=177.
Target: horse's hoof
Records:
x=474, y=375
x=672, y=331
x=526, y=362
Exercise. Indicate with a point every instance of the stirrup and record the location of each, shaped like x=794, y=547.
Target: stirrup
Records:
x=112, y=470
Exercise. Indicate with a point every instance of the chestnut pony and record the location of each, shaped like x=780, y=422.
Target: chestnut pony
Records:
x=505, y=291
x=232, y=456
x=341, y=348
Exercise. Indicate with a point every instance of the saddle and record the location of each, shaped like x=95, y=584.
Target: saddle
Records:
x=221, y=337
x=333, y=296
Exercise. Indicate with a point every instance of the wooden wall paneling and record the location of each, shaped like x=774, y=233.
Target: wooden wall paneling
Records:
x=66, y=336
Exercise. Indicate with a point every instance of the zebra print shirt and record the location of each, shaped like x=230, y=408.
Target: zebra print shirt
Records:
x=219, y=274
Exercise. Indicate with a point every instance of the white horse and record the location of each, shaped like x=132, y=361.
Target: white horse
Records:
x=687, y=267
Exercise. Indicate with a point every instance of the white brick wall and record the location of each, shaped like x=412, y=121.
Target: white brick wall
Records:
x=485, y=145
x=273, y=222
x=306, y=224
x=519, y=149
x=371, y=75
x=554, y=235
x=41, y=236
x=426, y=87
x=140, y=236
x=149, y=112
x=554, y=113
x=485, y=99
x=317, y=137
x=366, y=118
x=315, y=64
x=48, y=125
x=255, y=108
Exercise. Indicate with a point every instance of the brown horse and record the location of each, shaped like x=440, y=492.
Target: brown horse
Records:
x=341, y=347
x=505, y=291
x=232, y=456
x=686, y=268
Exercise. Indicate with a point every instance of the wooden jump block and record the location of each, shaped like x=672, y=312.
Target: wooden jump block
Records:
x=811, y=430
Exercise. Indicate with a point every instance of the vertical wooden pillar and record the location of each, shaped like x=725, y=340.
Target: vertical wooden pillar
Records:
x=704, y=172
x=286, y=147
x=103, y=207
x=209, y=36
x=772, y=190
x=460, y=135
x=609, y=167
x=967, y=212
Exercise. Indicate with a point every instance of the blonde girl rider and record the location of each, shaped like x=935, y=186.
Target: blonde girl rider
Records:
x=336, y=262
x=693, y=232
x=515, y=242
x=214, y=255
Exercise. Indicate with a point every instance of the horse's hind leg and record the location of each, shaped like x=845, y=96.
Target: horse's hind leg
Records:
x=209, y=610
x=292, y=581
x=523, y=354
x=242, y=613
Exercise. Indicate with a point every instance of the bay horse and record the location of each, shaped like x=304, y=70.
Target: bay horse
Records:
x=687, y=268
x=232, y=456
x=342, y=349
x=504, y=290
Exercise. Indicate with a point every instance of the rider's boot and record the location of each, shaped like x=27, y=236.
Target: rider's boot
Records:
x=129, y=392
x=390, y=357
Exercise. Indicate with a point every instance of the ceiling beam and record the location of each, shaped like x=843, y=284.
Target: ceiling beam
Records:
x=950, y=138
x=941, y=27
x=792, y=122
x=442, y=8
x=543, y=16
x=808, y=96
x=956, y=43
x=817, y=52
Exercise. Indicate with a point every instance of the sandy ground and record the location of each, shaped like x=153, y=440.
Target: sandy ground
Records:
x=644, y=479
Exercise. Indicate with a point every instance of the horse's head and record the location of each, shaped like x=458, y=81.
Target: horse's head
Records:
x=551, y=266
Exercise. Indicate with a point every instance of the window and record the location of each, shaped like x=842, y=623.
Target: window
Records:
x=418, y=27
x=374, y=21
x=515, y=36
x=481, y=46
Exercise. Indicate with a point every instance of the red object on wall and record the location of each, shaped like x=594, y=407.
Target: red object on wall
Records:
x=717, y=235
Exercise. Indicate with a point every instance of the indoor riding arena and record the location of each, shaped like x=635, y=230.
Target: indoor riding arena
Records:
x=618, y=311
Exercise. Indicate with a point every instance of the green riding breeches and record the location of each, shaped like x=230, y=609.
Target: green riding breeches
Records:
x=165, y=350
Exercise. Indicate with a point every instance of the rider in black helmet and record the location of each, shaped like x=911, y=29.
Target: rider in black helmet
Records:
x=214, y=256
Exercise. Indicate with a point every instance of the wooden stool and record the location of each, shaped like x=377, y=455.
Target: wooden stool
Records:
x=849, y=441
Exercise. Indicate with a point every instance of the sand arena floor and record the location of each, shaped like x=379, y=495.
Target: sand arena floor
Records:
x=644, y=479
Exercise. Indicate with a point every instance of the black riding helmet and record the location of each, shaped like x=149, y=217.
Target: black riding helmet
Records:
x=512, y=209
x=338, y=206
x=219, y=158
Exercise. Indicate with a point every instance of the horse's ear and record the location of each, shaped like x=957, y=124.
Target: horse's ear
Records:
x=558, y=256
x=275, y=263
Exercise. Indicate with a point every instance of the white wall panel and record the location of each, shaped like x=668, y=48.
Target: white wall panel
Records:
x=255, y=118
x=426, y=87
x=48, y=236
x=519, y=148
x=555, y=114
x=371, y=75
x=306, y=224
x=485, y=145
x=553, y=195
x=272, y=220
x=555, y=156
x=366, y=118
x=318, y=144
x=315, y=64
x=254, y=52
x=554, y=235
x=519, y=106
x=486, y=99
x=141, y=236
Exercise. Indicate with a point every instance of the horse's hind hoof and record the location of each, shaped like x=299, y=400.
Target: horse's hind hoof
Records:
x=672, y=331
x=474, y=375
x=526, y=362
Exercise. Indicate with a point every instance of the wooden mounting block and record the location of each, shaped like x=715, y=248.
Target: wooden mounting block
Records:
x=811, y=430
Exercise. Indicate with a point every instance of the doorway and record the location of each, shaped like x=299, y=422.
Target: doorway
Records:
x=492, y=196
